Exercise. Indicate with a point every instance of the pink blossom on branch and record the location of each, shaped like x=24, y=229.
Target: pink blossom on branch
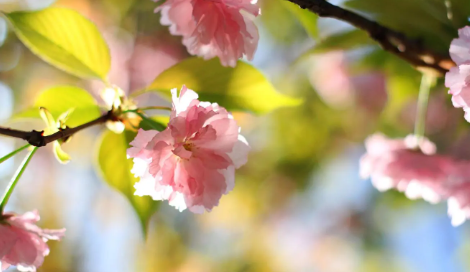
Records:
x=210, y=28
x=22, y=243
x=192, y=162
x=458, y=78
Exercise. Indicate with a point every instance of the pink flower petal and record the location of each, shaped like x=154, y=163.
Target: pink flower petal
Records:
x=191, y=163
x=222, y=28
x=22, y=243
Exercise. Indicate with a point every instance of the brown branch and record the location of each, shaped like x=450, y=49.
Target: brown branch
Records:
x=411, y=50
x=37, y=138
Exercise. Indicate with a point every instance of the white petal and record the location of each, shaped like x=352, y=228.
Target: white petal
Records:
x=229, y=175
x=182, y=102
x=177, y=201
x=239, y=154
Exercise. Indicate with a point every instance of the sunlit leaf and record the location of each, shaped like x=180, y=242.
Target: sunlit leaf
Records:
x=279, y=23
x=52, y=127
x=65, y=39
x=61, y=99
x=62, y=119
x=306, y=18
x=116, y=171
x=240, y=88
x=60, y=155
x=48, y=119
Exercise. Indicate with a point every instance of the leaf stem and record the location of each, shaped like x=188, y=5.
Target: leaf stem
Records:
x=156, y=108
x=6, y=157
x=427, y=81
x=16, y=178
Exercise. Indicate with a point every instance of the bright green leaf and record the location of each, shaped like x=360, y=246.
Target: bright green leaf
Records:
x=116, y=171
x=60, y=99
x=65, y=39
x=60, y=155
x=239, y=88
x=62, y=119
x=52, y=127
x=306, y=18
x=48, y=119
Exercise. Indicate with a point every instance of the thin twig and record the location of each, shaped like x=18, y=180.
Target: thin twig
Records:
x=37, y=138
x=411, y=50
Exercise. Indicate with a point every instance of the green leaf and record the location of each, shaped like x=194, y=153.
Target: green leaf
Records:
x=116, y=171
x=60, y=155
x=343, y=41
x=239, y=88
x=65, y=39
x=60, y=99
x=306, y=18
x=48, y=119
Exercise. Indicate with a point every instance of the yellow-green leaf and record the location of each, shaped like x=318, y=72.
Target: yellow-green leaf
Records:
x=60, y=99
x=239, y=88
x=49, y=120
x=60, y=154
x=65, y=39
x=116, y=171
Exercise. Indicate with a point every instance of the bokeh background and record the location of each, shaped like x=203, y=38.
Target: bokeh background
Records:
x=299, y=204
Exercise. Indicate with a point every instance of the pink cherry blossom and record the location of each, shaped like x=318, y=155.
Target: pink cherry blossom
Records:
x=211, y=28
x=415, y=169
x=458, y=78
x=407, y=165
x=365, y=91
x=192, y=162
x=22, y=243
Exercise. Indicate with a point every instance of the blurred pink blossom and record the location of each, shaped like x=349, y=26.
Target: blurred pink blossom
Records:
x=222, y=28
x=406, y=166
x=415, y=169
x=458, y=189
x=439, y=117
x=340, y=89
x=22, y=243
x=192, y=162
x=458, y=78
x=133, y=65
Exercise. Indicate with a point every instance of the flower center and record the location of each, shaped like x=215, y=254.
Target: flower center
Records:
x=188, y=146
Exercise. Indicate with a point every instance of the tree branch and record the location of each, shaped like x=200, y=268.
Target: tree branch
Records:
x=37, y=138
x=411, y=50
